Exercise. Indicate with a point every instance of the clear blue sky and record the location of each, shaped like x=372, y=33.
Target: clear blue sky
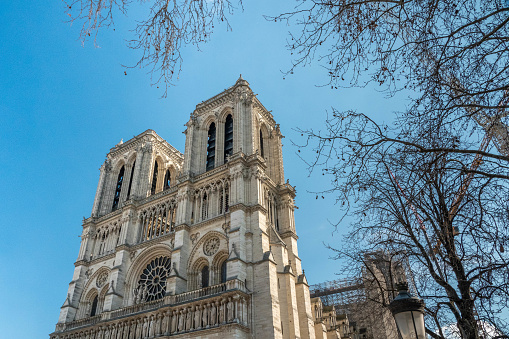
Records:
x=62, y=107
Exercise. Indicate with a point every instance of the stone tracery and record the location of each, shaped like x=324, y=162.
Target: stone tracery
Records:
x=152, y=282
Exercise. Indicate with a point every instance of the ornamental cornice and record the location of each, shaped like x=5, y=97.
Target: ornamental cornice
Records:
x=96, y=260
x=146, y=141
x=264, y=113
x=221, y=217
x=214, y=102
x=214, y=172
x=182, y=227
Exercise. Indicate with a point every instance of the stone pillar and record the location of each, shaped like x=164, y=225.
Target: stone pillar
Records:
x=100, y=187
x=177, y=281
x=266, y=308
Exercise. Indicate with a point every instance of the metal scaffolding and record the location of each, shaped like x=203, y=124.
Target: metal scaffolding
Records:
x=342, y=293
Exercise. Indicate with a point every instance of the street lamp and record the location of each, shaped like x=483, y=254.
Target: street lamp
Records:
x=408, y=312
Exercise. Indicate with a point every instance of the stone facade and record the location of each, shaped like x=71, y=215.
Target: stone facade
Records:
x=200, y=245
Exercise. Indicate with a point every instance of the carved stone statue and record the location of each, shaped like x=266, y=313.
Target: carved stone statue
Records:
x=157, y=330
x=213, y=313
x=189, y=319
x=125, y=335
x=221, y=312
x=182, y=315
x=204, y=316
x=174, y=322
x=139, y=327
x=230, y=310
x=132, y=331
x=100, y=333
x=119, y=331
x=197, y=316
x=113, y=332
x=152, y=327
x=145, y=327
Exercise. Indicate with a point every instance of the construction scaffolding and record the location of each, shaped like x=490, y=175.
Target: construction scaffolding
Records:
x=342, y=293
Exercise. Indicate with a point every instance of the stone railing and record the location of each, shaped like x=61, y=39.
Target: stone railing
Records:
x=230, y=285
x=151, y=305
x=213, y=306
x=79, y=323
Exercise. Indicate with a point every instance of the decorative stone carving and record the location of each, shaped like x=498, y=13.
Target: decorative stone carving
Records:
x=194, y=237
x=226, y=227
x=101, y=279
x=211, y=246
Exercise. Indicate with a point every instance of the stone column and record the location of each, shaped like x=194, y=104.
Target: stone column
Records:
x=100, y=187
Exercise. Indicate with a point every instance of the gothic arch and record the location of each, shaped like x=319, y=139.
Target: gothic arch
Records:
x=194, y=273
x=93, y=289
x=207, y=121
x=117, y=165
x=199, y=245
x=265, y=133
x=159, y=175
x=197, y=258
x=131, y=158
x=139, y=264
x=221, y=117
x=219, y=258
x=93, y=279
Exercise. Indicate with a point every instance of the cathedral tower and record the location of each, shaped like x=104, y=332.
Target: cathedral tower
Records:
x=200, y=245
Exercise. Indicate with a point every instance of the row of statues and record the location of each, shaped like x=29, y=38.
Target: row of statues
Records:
x=170, y=321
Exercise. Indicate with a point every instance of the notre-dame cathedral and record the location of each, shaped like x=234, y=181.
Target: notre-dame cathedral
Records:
x=195, y=245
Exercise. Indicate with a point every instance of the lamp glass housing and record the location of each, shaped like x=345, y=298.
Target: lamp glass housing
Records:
x=411, y=324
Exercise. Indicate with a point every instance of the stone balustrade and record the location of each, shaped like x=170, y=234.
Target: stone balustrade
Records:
x=203, y=309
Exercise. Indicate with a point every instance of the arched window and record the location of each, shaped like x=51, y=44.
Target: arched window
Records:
x=93, y=310
x=167, y=179
x=205, y=277
x=228, y=137
x=223, y=272
x=204, y=207
x=261, y=144
x=154, y=179
x=211, y=147
x=131, y=181
x=120, y=179
x=152, y=283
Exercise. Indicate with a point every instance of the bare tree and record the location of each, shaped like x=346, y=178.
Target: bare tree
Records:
x=404, y=187
x=430, y=187
x=160, y=37
x=452, y=53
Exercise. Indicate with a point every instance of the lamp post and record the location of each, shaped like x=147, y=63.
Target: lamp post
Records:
x=408, y=311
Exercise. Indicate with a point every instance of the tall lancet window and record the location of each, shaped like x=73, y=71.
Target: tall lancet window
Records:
x=228, y=137
x=93, y=310
x=204, y=207
x=167, y=179
x=154, y=179
x=261, y=144
x=205, y=277
x=131, y=181
x=223, y=272
x=211, y=147
x=120, y=179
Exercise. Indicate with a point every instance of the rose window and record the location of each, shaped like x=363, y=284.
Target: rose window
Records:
x=152, y=283
x=101, y=279
x=211, y=246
